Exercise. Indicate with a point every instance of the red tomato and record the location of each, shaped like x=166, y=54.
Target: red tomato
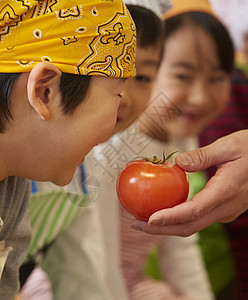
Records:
x=144, y=187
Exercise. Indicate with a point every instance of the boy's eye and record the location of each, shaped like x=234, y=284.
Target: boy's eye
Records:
x=143, y=78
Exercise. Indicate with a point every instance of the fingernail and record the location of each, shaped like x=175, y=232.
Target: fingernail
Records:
x=137, y=227
x=156, y=221
x=185, y=159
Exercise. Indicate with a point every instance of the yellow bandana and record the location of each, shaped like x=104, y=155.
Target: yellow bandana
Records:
x=83, y=37
x=183, y=6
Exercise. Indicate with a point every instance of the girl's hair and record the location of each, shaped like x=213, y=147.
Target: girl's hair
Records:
x=150, y=28
x=212, y=26
x=73, y=90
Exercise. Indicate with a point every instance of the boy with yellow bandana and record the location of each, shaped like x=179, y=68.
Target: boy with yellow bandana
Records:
x=63, y=64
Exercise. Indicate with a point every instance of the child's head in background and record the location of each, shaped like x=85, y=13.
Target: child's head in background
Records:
x=137, y=90
x=195, y=71
x=63, y=66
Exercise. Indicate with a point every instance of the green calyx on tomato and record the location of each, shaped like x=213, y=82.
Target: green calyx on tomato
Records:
x=156, y=161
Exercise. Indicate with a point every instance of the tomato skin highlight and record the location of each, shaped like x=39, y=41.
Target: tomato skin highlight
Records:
x=144, y=187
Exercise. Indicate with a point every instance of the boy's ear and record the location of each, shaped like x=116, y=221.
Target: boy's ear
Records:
x=42, y=87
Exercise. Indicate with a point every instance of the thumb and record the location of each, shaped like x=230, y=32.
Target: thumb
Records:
x=208, y=156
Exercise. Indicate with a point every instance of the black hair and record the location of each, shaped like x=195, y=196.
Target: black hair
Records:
x=73, y=90
x=6, y=83
x=149, y=27
x=212, y=26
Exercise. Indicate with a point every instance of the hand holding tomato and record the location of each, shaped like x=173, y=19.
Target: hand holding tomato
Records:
x=224, y=198
x=145, y=186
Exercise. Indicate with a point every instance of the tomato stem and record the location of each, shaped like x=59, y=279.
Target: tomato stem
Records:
x=170, y=155
x=157, y=161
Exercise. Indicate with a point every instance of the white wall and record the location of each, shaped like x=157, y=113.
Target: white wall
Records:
x=234, y=14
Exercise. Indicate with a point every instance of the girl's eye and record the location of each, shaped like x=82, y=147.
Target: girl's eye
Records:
x=216, y=79
x=120, y=96
x=183, y=77
x=143, y=78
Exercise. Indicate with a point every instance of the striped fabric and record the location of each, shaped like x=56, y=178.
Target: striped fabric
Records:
x=234, y=118
x=50, y=213
x=150, y=289
x=52, y=209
